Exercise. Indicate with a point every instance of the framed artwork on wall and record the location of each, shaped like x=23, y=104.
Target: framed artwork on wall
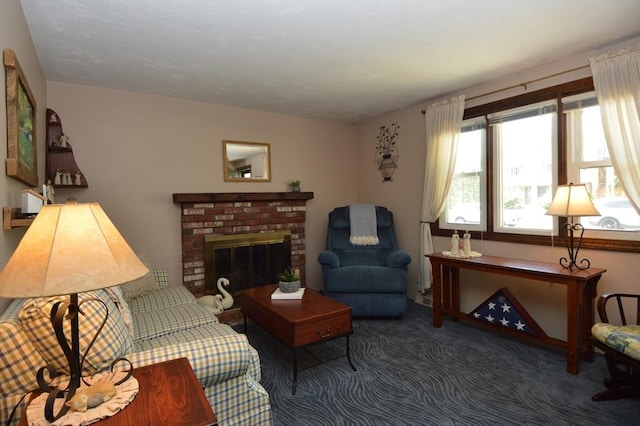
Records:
x=22, y=163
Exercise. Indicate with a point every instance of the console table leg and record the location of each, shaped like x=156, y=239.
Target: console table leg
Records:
x=437, y=293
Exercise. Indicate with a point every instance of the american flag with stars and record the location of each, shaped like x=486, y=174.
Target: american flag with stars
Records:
x=502, y=309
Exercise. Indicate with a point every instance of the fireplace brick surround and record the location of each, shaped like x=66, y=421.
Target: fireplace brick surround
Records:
x=237, y=213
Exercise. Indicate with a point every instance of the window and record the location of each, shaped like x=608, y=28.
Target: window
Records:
x=463, y=208
x=589, y=163
x=525, y=142
x=511, y=155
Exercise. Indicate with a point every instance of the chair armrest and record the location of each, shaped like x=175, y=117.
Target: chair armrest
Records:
x=619, y=298
x=398, y=259
x=328, y=259
x=214, y=360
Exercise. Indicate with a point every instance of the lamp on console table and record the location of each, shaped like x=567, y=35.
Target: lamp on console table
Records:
x=573, y=201
x=68, y=249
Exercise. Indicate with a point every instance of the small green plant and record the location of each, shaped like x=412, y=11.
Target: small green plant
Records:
x=294, y=183
x=289, y=275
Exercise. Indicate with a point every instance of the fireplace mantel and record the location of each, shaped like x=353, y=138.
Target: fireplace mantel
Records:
x=203, y=214
x=213, y=197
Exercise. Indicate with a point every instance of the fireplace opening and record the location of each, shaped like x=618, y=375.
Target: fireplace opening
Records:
x=246, y=260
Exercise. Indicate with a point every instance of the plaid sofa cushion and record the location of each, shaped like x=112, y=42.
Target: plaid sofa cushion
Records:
x=161, y=298
x=113, y=341
x=19, y=358
x=154, y=324
x=139, y=286
x=162, y=277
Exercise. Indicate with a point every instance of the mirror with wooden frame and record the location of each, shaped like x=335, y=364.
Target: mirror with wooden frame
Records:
x=246, y=161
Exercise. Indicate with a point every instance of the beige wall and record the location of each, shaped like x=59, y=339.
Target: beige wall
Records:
x=14, y=34
x=404, y=197
x=136, y=150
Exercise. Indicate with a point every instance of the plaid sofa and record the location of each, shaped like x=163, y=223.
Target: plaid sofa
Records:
x=149, y=321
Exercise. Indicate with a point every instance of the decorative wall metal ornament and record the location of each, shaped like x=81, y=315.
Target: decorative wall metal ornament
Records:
x=387, y=151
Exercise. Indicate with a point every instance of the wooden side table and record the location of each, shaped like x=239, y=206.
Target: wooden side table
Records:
x=169, y=394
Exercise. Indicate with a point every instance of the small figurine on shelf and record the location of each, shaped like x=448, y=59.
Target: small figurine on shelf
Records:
x=53, y=118
x=455, y=243
x=78, y=180
x=64, y=141
x=57, y=180
x=466, y=243
x=49, y=192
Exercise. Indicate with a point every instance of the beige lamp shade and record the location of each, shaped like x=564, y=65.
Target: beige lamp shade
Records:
x=572, y=200
x=69, y=248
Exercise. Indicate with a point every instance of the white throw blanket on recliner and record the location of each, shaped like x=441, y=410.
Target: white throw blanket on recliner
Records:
x=363, y=225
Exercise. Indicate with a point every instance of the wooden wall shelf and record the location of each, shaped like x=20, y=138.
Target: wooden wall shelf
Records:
x=12, y=217
x=60, y=158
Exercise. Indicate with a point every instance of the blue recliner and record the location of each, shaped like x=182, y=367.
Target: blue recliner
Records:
x=370, y=279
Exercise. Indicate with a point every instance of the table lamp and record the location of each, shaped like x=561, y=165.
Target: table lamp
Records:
x=68, y=249
x=573, y=201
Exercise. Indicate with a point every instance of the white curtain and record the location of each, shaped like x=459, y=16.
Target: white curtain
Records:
x=616, y=77
x=443, y=121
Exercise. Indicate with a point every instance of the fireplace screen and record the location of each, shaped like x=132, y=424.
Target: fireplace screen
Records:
x=247, y=260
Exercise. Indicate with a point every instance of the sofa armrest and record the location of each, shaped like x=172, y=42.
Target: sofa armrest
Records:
x=328, y=259
x=398, y=259
x=214, y=360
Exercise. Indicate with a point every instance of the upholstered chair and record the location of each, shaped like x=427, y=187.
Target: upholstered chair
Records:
x=620, y=344
x=372, y=279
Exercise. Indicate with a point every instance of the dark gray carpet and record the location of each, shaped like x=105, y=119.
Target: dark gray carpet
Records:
x=410, y=373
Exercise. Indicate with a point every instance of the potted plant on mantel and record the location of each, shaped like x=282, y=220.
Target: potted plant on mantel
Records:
x=289, y=280
x=295, y=185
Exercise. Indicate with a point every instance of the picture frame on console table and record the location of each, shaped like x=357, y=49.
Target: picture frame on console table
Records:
x=21, y=163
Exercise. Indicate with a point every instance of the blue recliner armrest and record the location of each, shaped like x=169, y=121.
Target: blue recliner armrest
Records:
x=328, y=259
x=398, y=259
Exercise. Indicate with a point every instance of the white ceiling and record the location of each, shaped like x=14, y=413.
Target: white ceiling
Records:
x=343, y=60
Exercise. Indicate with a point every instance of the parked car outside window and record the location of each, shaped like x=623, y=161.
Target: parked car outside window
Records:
x=615, y=213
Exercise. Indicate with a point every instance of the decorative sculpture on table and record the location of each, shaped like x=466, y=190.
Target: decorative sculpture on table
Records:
x=466, y=243
x=455, y=243
x=461, y=248
x=92, y=396
x=217, y=303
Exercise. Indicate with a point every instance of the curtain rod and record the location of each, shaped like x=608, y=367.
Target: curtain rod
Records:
x=525, y=84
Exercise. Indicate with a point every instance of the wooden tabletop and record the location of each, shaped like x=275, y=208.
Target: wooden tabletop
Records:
x=312, y=307
x=519, y=266
x=169, y=394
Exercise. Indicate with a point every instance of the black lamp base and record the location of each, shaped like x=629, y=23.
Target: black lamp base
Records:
x=572, y=263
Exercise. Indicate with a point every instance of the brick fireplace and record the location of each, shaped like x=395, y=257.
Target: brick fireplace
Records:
x=204, y=214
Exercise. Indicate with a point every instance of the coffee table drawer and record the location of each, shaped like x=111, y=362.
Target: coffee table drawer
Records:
x=321, y=330
x=269, y=320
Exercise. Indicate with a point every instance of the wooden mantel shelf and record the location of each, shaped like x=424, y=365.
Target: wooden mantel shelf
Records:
x=239, y=196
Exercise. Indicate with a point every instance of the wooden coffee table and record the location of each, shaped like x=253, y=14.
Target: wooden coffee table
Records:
x=298, y=323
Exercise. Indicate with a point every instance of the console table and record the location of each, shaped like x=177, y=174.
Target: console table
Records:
x=581, y=292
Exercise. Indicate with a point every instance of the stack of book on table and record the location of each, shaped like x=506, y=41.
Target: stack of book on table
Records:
x=280, y=295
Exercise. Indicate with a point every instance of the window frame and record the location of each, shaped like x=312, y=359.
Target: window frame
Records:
x=557, y=92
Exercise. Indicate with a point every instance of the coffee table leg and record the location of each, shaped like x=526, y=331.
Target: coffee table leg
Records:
x=295, y=372
x=349, y=356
